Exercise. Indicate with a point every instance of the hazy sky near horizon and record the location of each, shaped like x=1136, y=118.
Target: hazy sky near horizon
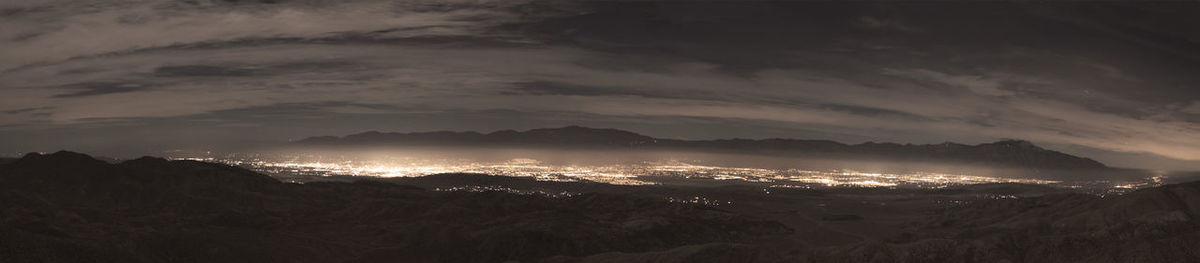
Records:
x=1115, y=81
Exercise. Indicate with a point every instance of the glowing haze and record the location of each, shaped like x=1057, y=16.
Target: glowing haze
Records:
x=1102, y=80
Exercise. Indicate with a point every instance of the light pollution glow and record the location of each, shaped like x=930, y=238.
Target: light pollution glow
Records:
x=641, y=173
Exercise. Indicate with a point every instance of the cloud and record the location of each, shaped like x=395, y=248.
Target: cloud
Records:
x=253, y=70
x=39, y=34
x=269, y=81
x=362, y=65
x=27, y=110
x=976, y=84
x=873, y=22
x=550, y=88
x=1194, y=108
x=204, y=71
x=1175, y=139
x=99, y=88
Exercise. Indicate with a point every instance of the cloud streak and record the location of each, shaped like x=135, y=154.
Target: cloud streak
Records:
x=368, y=64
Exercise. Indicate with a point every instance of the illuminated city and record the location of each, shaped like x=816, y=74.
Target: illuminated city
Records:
x=641, y=173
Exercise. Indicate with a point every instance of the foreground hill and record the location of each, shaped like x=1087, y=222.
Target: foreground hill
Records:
x=1150, y=225
x=1009, y=153
x=69, y=207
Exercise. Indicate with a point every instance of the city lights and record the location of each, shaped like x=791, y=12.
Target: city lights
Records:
x=640, y=173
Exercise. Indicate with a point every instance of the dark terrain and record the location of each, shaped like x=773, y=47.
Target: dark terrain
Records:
x=1007, y=153
x=69, y=207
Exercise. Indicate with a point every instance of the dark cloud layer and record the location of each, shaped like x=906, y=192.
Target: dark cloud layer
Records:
x=1109, y=79
x=98, y=88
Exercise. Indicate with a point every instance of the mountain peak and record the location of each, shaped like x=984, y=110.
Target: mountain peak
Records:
x=574, y=129
x=147, y=160
x=1014, y=143
x=61, y=157
x=584, y=135
x=577, y=128
x=62, y=154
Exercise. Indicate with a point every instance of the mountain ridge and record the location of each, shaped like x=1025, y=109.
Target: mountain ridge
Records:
x=1009, y=152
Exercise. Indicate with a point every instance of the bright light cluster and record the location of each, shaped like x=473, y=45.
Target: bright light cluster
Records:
x=493, y=188
x=699, y=201
x=644, y=173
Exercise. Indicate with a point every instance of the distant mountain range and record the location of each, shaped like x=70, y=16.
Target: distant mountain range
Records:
x=1006, y=153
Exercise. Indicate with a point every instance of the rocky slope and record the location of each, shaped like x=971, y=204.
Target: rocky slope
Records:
x=1150, y=225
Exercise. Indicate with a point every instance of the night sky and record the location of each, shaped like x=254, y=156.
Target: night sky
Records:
x=1116, y=82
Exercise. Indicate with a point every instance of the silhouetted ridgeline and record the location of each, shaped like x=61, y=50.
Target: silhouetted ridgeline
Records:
x=1011, y=153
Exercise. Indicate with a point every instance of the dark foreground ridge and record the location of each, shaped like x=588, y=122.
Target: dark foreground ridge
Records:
x=69, y=207
x=1009, y=153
